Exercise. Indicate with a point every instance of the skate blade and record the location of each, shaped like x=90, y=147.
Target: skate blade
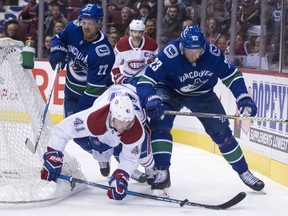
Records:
x=161, y=193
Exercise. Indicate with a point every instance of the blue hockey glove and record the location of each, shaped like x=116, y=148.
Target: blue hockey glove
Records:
x=154, y=107
x=246, y=105
x=52, y=166
x=121, y=178
x=58, y=54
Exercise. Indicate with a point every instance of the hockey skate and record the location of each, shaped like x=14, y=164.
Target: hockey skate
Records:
x=161, y=183
x=138, y=176
x=251, y=181
x=104, y=168
x=150, y=175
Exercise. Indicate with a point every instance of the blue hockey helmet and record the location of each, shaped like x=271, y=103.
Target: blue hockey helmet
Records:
x=192, y=37
x=92, y=11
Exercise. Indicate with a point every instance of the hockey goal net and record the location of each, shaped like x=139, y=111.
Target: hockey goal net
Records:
x=21, y=108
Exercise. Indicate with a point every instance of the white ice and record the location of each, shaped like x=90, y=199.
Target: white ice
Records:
x=195, y=174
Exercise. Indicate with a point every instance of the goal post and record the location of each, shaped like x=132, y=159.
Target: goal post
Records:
x=21, y=109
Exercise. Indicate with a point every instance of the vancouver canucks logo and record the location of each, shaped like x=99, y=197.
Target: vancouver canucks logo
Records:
x=78, y=70
x=102, y=50
x=197, y=84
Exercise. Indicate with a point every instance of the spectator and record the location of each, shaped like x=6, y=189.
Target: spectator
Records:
x=153, y=8
x=47, y=47
x=112, y=28
x=29, y=12
x=239, y=51
x=239, y=45
x=48, y=8
x=113, y=38
x=252, y=45
x=219, y=11
x=152, y=4
x=143, y=12
x=213, y=31
x=150, y=28
x=241, y=30
x=193, y=15
x=124, y=21
x=181, y=9
x=59, y=26
x=250, y=13
x=1, y=6
x=171, y=25
x=51, y=21
x=10, y=29
x=118, y=4
x=274, y=31
x=209, y=9
x=222, y=44
x=252, y=50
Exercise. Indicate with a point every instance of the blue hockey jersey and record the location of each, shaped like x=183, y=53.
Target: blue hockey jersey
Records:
x=89, y=63
x=171, y=68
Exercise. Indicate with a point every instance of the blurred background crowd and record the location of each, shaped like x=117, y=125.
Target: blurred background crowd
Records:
x=252, y=33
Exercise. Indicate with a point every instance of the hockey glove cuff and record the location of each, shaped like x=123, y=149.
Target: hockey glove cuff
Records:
x=58, y=54
x=246, y=105
x=52, y=166
x=120, y=79
x=154, y=107
x=121, y=178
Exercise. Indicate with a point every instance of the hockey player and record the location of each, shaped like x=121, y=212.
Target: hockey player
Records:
x=188, y=69
x=133, y=53
x=116, y=119
x=89, y=57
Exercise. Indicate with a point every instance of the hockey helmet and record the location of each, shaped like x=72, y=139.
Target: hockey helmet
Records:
x=92, y=11
x=137, y=25
x=121, y=108
x=192, y=37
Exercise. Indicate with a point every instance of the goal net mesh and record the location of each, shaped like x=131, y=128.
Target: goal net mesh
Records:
x=21, y=109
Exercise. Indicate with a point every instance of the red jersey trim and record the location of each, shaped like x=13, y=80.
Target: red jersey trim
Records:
x=133, y=134
x=96, y=121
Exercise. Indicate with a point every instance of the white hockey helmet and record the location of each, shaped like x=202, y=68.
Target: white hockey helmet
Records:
x=137, y=25
x=121, y=108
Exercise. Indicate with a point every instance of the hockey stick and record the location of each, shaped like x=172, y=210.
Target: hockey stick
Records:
x=235, y=200
x=222, y=116
x=32, y=148
x=138, y=72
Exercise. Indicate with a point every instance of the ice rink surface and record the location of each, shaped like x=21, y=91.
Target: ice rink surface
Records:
x=195, y=174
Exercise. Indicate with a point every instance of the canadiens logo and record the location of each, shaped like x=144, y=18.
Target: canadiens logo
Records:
x=135, y=64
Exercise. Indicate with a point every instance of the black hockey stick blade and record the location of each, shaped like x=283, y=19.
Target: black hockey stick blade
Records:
x=230, y=203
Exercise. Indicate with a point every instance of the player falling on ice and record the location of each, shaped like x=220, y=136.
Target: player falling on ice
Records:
x=116, y=119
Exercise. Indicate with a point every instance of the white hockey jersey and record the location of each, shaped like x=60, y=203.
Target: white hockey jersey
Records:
x=129, y=60
x=95, y=122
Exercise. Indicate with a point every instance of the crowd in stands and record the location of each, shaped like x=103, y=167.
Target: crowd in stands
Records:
x=177, y=15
